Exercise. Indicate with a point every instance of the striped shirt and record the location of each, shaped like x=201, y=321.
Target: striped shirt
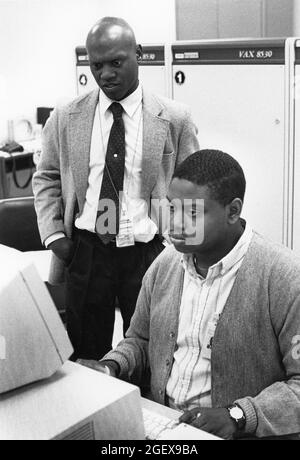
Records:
x=202, y=303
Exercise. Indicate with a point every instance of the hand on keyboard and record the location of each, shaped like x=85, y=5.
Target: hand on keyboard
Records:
x=160, y=427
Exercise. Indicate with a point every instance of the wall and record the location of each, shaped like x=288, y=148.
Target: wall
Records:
x=196, y=19
x=206, y=19
x=279, y=18
x=38, y=40
x=296, y=18
x=38, y=37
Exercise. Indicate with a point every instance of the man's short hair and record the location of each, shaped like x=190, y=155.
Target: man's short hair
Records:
x=217, y=170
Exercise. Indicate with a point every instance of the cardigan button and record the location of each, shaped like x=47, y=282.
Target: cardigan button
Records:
x=168, y=362
x=161, y=392
x=172, y=335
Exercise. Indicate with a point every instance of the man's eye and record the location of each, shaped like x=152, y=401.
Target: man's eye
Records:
x=96, y=66
x=117, y=63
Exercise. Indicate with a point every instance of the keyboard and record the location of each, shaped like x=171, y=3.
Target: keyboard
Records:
x=160, y=427
x=155, y=424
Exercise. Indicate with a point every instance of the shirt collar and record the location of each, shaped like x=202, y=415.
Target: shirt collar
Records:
x=238, y=251
x=228, y=261
x=129, y=104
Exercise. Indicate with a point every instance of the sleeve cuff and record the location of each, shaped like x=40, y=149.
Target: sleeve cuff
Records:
x=54, y=237
x=108, y=364
x=250, y=414
x=120, y=359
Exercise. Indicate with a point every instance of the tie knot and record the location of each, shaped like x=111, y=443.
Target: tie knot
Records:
x=116, y=110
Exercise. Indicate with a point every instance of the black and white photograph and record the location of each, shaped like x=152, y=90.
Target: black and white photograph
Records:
x=149, y=222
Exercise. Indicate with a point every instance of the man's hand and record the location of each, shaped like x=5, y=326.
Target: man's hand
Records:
x=93, y=364
x=63, y=248
x=215, y=421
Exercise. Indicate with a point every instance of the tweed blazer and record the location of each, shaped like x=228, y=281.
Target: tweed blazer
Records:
x=61, y=180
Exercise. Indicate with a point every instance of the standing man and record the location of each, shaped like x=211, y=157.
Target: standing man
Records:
x=105, y=156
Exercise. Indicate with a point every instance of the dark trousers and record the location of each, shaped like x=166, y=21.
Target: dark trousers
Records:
x=97, y=276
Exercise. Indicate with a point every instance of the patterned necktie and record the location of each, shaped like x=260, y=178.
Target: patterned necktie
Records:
x=113, y=175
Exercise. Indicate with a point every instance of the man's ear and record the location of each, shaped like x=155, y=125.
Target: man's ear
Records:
x=234, y=210
x=139, y=52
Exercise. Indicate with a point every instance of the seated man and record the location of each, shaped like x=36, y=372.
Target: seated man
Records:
x=217, y=320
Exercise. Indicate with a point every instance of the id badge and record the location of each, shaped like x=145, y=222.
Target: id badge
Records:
x=207, y=344
x=125, y=237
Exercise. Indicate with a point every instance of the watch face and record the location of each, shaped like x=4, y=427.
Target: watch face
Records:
x=237, y=413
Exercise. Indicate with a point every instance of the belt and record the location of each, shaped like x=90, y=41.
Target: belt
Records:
x=94, y=239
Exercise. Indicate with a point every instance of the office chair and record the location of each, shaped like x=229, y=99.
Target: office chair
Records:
x=3, y=178
x=18, y=224
x=19, y=230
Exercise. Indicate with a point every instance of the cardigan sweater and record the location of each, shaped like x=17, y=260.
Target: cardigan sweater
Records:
x=255, y=359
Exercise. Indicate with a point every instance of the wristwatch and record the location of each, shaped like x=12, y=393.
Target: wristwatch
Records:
x=236, y=413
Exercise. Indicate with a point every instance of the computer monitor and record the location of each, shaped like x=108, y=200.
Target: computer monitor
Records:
x=41, y=395
x=33, y=341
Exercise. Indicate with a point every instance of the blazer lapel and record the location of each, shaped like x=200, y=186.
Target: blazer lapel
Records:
x=155, y=130
x=80, y=133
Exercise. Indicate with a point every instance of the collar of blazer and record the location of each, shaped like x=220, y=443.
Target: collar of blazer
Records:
x=155, y=130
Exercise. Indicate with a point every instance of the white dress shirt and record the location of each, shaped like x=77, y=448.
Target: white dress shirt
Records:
x=144, y=228
x=202, y=303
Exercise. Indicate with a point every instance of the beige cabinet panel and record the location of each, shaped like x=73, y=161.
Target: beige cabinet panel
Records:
x=240, y=18
x=196, y=19
x=278, y=18
x=209, y=19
